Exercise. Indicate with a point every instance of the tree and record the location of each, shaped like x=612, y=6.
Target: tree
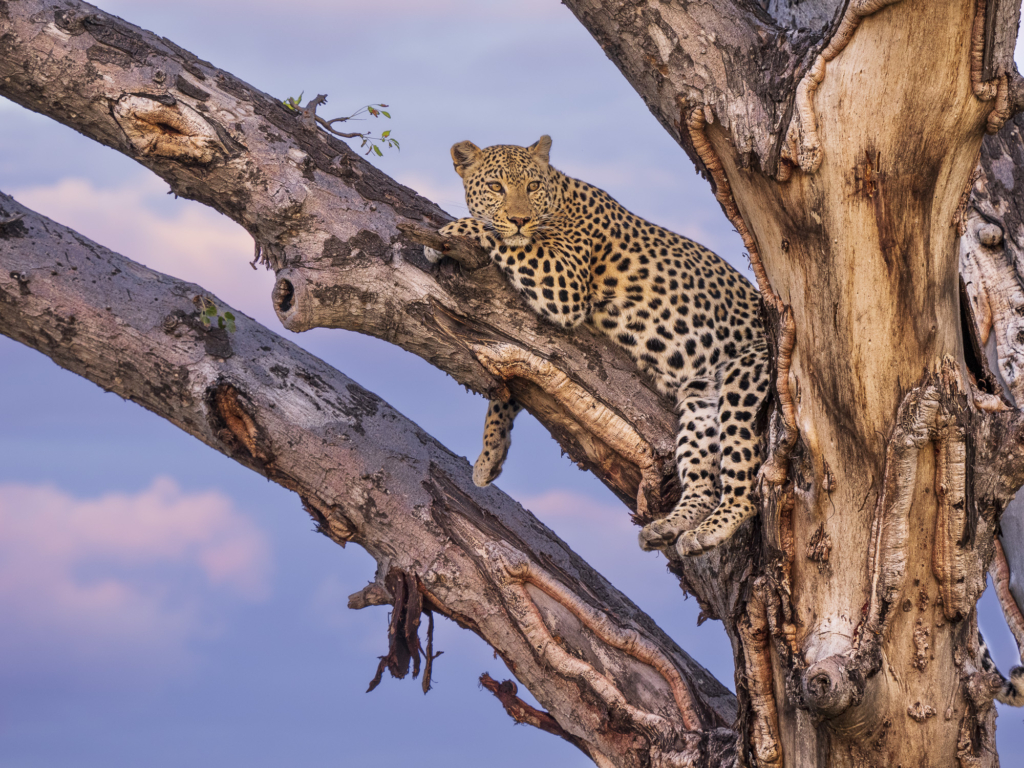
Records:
x=879, y=495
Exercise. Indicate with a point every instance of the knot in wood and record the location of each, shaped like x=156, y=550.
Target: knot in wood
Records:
x=159, y=125
x=990, y=235
x=831, y=686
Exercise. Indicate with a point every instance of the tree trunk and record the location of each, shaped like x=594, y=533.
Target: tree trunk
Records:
x=850, y=195
x=841, y=142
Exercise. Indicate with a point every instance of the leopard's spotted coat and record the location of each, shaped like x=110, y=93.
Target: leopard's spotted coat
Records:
x=689, y=320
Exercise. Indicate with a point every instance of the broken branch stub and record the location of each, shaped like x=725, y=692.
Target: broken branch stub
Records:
x=521, y=712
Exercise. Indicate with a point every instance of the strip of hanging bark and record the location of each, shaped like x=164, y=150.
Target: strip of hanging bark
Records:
x=802, y=146
x=695, y=125
x=522, y=712
x=512, y=571
x=1000, y=571
x=428, y=662
x=776, y=468
x=403, y=630
x=755, y=636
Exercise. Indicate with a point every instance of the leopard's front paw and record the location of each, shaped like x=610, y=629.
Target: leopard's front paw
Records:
x=696, y=542
x=659, y=534
x=472, y=229
x=718, y=528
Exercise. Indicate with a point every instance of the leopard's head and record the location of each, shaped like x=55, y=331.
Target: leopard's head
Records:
x=509, y=188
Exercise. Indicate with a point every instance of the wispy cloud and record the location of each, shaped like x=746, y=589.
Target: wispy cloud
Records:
x=121, y=580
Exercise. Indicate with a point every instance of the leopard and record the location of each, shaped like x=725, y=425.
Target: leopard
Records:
x=688, y=319
x=1009, y=692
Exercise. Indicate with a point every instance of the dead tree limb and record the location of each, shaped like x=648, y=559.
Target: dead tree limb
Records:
x=366, y=475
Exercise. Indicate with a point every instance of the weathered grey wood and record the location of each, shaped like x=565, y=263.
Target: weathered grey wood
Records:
x=364, y=472
x=336, y=230
x=811, y=15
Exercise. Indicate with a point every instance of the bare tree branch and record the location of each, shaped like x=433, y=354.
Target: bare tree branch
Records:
x=728, y=55
x=367, y=475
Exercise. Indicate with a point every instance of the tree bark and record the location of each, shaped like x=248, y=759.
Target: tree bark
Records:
x=841, y=143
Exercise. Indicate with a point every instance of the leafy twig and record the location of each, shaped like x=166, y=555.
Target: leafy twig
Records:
x=372, y=143
x=208, y=310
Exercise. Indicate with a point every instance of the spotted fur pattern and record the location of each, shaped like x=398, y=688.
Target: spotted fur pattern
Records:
x=1010, y=691
x=688, y=319
x=497, y=440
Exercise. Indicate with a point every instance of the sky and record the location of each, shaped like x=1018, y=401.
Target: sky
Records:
x=164, y=606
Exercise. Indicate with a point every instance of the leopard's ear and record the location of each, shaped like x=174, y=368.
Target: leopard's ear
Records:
x=465, y=155
x=541, y=148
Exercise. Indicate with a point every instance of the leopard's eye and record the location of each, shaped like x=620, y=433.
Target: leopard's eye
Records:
x=495, y=187
x=533, y=186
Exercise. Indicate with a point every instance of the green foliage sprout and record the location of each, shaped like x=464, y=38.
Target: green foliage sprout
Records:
x=372, y=143
x=208, y=311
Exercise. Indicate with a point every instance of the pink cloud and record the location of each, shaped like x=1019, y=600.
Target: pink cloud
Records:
x=122, y=579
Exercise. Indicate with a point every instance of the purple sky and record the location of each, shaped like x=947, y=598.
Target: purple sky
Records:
x=163, y=606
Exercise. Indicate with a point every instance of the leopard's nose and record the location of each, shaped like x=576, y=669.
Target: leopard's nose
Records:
x=520, y=221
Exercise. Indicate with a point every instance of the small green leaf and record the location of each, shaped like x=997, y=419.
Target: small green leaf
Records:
x=206, y=320
x=387, y=115
x=229, y=316
x=377, y=150
x=211, y=310
x=220, y=322
x=231, y=326
x=385, y=134
x=395, y=142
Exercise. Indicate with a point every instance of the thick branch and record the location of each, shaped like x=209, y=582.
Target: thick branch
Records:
x=312, y=205
x=726, y=54
x=367, y=475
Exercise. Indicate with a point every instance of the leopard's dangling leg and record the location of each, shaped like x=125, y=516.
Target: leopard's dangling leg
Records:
x=1010, y=692
x=497, y=440
x=744, y=387
x=697, y=460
